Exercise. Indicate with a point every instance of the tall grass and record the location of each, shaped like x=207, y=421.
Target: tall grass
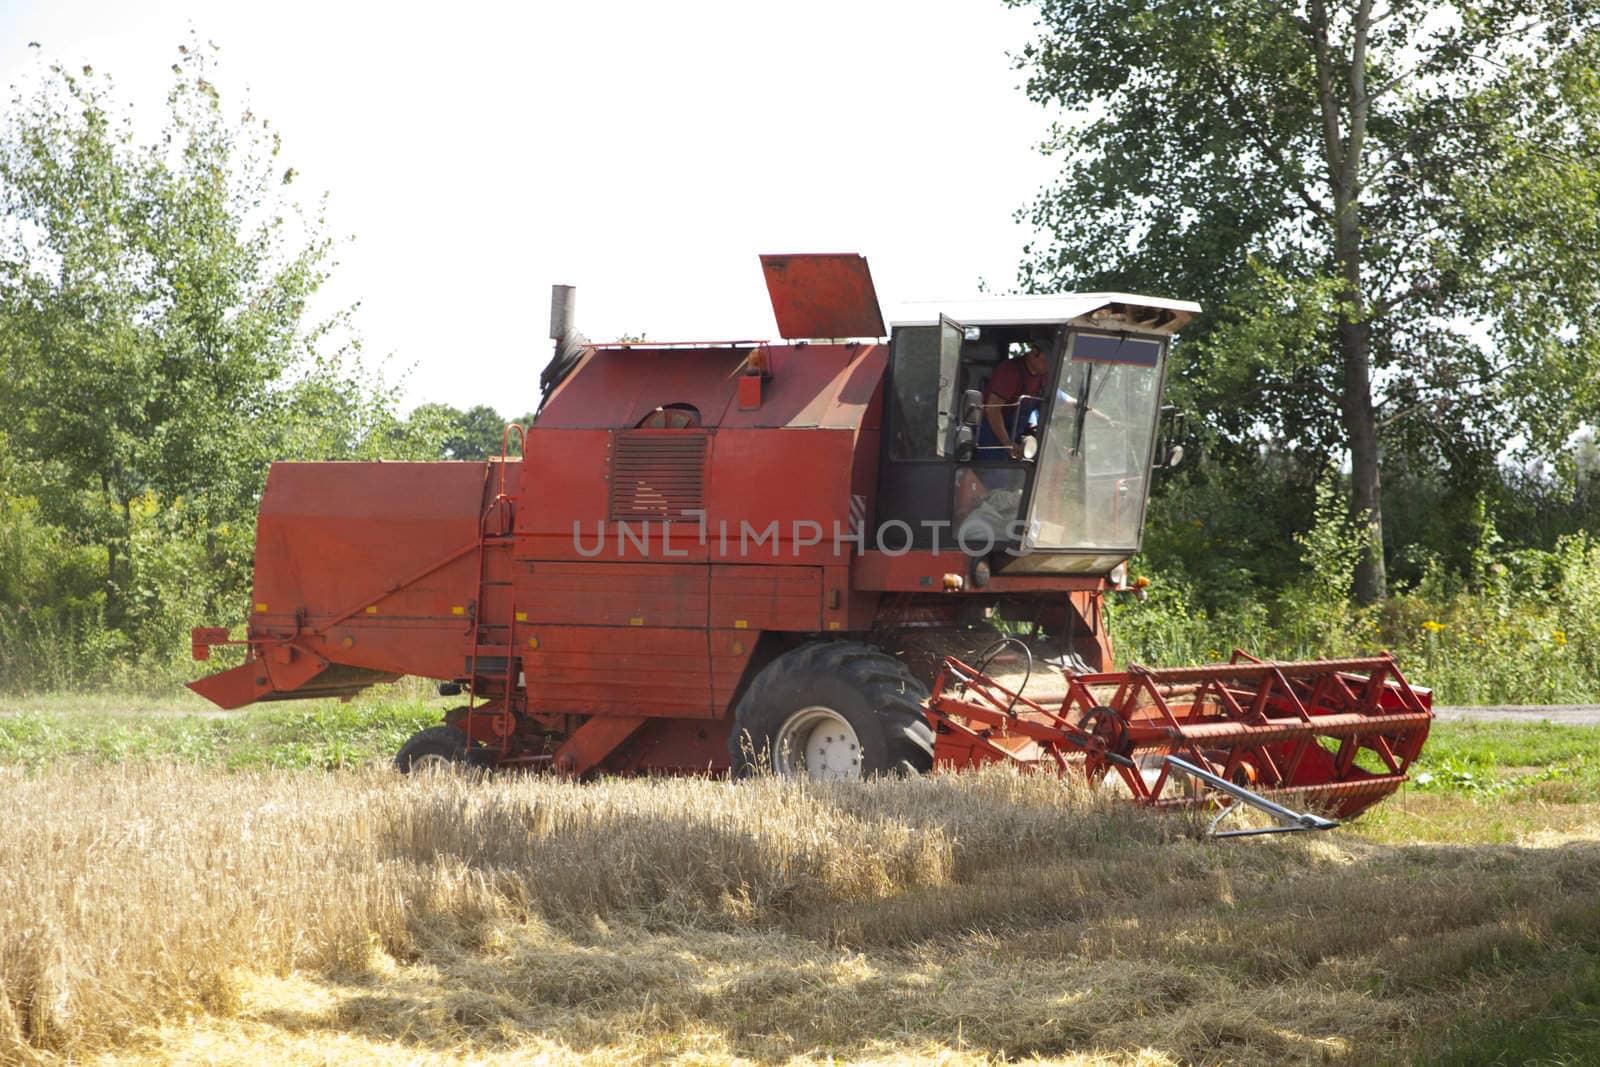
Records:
x=147, y=889
x=960, y=918
x=1526, y=630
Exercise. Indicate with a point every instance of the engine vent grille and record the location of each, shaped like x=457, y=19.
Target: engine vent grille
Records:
x=657, y=475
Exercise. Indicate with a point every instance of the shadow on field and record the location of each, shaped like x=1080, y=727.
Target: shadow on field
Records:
x=1089, y=931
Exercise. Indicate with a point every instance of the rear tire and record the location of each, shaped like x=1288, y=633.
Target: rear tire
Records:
x=832, y=710
x=435, y=749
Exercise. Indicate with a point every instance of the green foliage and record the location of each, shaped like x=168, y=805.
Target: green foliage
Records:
x=1561, y=1026
x=338, y=409
x=1196, y=162
x=322, y=734
x=1531, y=760
x=1527, y=635
x=155, y=295
x=1388, y=214
x=477, y=433
x=156, y=355
x=1330, y=547
x=1318, y=603
x=1512, y=625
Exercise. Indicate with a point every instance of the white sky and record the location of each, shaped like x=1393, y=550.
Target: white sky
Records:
x=475, y=153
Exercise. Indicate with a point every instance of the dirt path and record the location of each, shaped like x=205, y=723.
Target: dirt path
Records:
x=1564, y=714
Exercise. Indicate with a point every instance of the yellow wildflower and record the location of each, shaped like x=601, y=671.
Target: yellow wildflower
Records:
x=1433, y=626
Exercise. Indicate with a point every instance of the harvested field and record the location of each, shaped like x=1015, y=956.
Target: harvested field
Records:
x=166, y=913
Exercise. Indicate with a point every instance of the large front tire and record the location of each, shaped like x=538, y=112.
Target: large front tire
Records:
x=833, y=710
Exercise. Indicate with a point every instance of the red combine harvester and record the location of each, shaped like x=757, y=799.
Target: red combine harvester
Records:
x=724, y=554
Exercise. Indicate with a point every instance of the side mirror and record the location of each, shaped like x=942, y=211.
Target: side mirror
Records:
x=972, y=407
x=1168, y=453
x=966, y=444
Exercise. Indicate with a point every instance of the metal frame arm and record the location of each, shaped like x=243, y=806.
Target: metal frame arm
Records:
x=1289, y=821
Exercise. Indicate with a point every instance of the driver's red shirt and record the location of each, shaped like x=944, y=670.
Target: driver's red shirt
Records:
x=1011, y=380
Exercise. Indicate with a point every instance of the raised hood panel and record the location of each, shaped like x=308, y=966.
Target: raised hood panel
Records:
x=823, y=296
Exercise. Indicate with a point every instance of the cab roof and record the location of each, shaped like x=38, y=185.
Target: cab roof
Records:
x=1146, y=313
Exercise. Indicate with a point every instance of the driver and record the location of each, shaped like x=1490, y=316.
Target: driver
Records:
x=1011, y=402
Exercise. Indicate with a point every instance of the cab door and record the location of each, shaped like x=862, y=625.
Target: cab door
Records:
x=922, y=417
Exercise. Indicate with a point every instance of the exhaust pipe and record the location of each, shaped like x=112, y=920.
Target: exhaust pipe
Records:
x=563, y=309
x=570, y=344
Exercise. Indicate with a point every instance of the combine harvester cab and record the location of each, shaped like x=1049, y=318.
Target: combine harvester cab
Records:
x=746, y=554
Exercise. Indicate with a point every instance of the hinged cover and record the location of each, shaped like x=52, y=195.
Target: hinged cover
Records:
x=827, y=295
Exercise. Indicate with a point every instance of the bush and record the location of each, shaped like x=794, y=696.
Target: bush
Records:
x=1529, y=633
x=54, y=630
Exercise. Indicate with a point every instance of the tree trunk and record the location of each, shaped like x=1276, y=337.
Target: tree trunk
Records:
x=111, y=553
x=1361, y=429
x=1343, y=152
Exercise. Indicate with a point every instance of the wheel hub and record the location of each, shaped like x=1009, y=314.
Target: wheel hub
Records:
x=819, y=743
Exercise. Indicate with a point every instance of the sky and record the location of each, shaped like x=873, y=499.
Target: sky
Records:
x=474, y=154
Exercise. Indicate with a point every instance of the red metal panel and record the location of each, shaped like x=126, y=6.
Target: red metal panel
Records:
x=565, y=481
x=370, y=567
x=829, y=386
x=592, y=742
x=823, y=295
x=757, y=518
x=599, y=394
x=704, y=379
x=337, y=538
x=730, y=654
x=817, y=386
x=612, y=594
x=411, y=631
x=289, y=668
x=617, y=387
x=201, y=638
x=836, y=599
x=747, y=597
x=749, y=392
x=617, y=670
x=566, y=509
x=673, y=746
x=234, y=688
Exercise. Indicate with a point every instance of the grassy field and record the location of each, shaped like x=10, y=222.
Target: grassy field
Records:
x=327, y=735
x=196, y=890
